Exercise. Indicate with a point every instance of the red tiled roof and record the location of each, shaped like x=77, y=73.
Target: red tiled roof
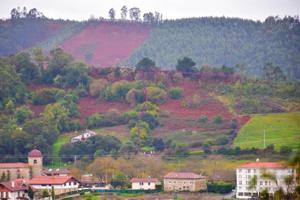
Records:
x=50, y=180
x=152, y=180
x=272, y=165
x=14, y=165
x=183, y=175
x=16, y=185
x=35, y=153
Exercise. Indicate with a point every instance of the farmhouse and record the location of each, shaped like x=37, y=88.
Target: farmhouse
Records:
x=144, y=183
x=245, y=175
x=16, y=189
x=60, y=184
x=184, y=181
x=85, y=135
x=34, y=167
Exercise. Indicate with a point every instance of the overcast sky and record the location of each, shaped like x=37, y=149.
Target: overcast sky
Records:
x=83, y=9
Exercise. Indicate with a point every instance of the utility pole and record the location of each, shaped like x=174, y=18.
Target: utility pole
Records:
x=264, y=138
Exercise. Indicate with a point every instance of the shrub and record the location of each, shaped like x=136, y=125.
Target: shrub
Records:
x=135, y=96
x=120, y=89
x=218, y=120
x=285, y=150
x=97, y=87
x=156, y=95
x=46, y=96
x=220, y=187
x=203, y=119
x=222, y=141
x=175, y=93
x=177, y=77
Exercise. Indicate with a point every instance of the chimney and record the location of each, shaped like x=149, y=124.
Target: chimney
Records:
x=12, y=184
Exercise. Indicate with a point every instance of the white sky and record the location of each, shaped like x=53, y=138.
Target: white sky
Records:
x=83, y=9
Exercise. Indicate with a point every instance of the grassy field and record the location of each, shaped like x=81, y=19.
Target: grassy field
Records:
x=282, y=129
x=61, y=140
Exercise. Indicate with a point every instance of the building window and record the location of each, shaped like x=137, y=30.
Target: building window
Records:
x=240, y=182
x=35, y=161
x=149, y=183
x=261, y=182
x=240, y=194
x=240, y=170
x=249, y=170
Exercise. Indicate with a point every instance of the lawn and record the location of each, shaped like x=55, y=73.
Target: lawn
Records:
x=61, y=140
x=281, y=129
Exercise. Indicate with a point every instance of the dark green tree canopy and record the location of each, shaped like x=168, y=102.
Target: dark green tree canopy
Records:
x=186, y=65
x=146, y=64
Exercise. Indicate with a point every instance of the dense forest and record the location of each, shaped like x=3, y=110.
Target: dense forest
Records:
x=226, y=41
x=245, y=44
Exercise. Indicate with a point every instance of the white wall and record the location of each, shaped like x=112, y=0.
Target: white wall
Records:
x=143, y=186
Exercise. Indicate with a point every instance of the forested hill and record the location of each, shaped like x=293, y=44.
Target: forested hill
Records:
x=208, y=41
x=226, y=41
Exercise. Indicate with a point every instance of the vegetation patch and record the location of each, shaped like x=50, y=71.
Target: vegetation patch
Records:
x=280, y=130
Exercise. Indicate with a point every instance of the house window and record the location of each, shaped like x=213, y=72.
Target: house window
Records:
x=266, y=182
x=261, y=182
x=149, y=183
x=249, y=170
x=240, y=194
x=240, y=170
x=241, y=182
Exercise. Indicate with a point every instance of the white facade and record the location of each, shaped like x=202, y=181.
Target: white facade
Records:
x=83, y=136
x=68, y=185
x=245, y=175
x=143, y=185
x=13, y=194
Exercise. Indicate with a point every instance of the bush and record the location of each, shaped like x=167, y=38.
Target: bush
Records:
x=135, y=96
x=97, y=87
x=156, y=95
x=46, y=96
x=222, y=141
x=220, y=187
x=218, y=120
x=285, y=150
x=111, y=118
x=203, y=119
x=175, y=93
x=120, y=89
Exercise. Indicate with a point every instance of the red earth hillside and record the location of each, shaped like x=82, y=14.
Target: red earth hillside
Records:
x=106, y=43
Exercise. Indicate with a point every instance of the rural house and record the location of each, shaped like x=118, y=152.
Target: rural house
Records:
x=144, y=183
x=61, y=184
x=16, y=189
x=184, y=181
x=85, y=135
x=246, y=173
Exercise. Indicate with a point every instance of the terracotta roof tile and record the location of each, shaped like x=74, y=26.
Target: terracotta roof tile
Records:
x=272, y=165
x=183, y=175
x=14, y=165
x=152, y=180
x=50, y=180
x=16, y=185
x=35, y=153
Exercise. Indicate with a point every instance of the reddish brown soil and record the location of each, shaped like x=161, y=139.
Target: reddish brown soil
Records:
x=36, y=109
x=210, y=109
x=89, y=106
x=108, y=43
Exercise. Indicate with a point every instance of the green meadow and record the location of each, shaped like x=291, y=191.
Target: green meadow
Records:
x=281, y=129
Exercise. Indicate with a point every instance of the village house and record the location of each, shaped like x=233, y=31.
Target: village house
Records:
x=246, y=173
x=60, y=184
x=144, y=183
x=34, y=167
x=56, y=172
x=16, y=189
x=184, y=181
x=85, y=135
x=90, y=181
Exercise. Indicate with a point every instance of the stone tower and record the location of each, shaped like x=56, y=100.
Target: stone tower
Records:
x=35, y=161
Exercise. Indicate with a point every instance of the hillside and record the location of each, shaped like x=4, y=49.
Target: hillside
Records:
x=208, y=41
x=226, y=41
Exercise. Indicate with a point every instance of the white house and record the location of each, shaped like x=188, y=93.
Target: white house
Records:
x=60, y=184
x=16, y=189
x=85, y=135
x=246, y=172
x=144, y=183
